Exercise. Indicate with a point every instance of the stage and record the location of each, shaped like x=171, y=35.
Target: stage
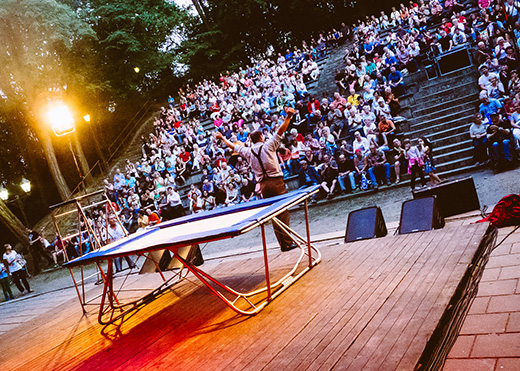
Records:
x=386, y=303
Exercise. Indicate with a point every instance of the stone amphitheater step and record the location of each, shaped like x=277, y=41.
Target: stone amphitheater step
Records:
x=445, y=94
x=437, y=107
x=454, y=132
x=454, y=164
x=429, y=88
x=441, y=123
x=448, y=148
x=453, y=78
x=456, y=137
x=443, y=114
x=445, y=158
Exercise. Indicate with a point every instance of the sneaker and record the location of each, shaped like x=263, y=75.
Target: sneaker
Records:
x=397, y=181
x=313, y=201
x=30, y=291
x=388, y=182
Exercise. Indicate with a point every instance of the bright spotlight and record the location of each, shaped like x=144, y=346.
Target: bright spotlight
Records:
x=61, y=119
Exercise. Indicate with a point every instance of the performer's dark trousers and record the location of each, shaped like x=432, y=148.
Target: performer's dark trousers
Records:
x=271, y=187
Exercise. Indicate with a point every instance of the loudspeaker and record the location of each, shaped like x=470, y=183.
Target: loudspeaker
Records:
x=421, y=214
x=455, y=197
x=453, y=61
x=365, y=223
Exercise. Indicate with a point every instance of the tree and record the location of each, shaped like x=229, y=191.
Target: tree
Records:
x=38, y=40
x=133, y=34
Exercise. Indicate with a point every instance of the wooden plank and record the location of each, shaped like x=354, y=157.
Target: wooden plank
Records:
x=395, y=313
x=366, y=302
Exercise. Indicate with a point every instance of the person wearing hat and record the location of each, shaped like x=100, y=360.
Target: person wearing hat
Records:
x=265, y=165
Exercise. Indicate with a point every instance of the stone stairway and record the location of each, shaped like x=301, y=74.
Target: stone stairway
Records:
x=442, y=110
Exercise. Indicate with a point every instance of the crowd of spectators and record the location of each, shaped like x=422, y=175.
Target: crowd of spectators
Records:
x=345, y=142
x=495, y=130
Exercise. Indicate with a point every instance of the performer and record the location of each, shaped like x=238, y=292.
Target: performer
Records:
x=264, y=162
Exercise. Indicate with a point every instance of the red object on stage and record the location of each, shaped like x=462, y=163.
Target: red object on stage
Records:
x=505, y=213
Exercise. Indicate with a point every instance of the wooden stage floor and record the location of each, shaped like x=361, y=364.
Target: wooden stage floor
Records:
x=370, y=305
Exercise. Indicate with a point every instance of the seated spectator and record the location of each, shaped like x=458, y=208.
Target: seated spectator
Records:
x=345, y=170
x=232, y=194
x=478, y=133
x=329, y=175
x=395, y=79
x=378, y=167
x=488, y=106
x=247, y=190
x=360, y=169
x=308, y=176
x=209, y=201
x=360, y=143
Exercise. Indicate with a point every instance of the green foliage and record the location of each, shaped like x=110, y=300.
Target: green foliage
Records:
x=132, y=34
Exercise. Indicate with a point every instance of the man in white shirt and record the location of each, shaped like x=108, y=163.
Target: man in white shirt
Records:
x=263, y=160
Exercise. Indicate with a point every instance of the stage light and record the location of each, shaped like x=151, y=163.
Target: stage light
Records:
x=61, y=119
x=4, y=195
x=136, y=69
x=86, y=118
x=26, y=185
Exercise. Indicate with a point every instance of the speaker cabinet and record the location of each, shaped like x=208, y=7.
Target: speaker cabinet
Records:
x=454, y=197
x=365, y=223
x=421, y=214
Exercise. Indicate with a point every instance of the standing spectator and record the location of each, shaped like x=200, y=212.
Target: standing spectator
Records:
x=115, y=232
x=37, y=250
x=415, y=162
x=4, y=281
x=16, y=268
x=429, y=168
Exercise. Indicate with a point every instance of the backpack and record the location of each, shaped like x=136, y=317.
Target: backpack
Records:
x=505, y=213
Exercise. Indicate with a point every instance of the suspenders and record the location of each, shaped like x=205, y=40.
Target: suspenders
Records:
x=257, y=155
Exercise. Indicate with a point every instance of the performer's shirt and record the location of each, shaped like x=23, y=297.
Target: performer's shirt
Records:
x=267, y=155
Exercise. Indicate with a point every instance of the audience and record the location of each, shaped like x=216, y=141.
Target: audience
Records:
x=352, y=132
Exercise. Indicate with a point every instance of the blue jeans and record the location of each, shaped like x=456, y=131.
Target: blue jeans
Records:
x=341, y=181
x=373, y=179
x=506, y=150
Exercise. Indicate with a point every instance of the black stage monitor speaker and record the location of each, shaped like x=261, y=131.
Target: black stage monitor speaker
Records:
x=454, y=60
x=455, y=197
x=365, y=223
x=421, y=214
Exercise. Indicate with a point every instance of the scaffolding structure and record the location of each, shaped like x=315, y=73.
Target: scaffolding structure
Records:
x=76, y=211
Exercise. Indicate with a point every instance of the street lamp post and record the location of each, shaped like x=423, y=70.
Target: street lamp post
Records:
x=63, y=125
x=26, y=187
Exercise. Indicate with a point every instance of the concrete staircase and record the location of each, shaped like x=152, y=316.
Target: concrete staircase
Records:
x=442, y=110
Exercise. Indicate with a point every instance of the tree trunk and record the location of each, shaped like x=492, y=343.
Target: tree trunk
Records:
x=14, y=224
x=50, y=156
x=83, y=163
